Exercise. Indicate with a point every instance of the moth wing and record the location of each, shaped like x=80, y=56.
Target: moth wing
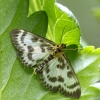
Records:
x=32, y=49
x=58, y=75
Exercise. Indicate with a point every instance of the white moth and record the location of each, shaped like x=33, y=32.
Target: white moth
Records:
x=49, y=60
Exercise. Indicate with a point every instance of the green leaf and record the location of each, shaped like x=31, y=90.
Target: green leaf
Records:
x=18, y=82
x=14, y=78
x=62, y=24
x=87, y=66
x=63, y=27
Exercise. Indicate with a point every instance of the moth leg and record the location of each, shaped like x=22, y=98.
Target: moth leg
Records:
x=39, y=68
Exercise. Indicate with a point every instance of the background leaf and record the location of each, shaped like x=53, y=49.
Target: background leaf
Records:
x=62, y=24
x=14, y=78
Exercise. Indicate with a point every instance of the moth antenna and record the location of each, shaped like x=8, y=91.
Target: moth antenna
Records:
x=62, y=34
x=75, y=49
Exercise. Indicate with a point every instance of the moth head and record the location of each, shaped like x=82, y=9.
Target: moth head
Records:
x=63, y=46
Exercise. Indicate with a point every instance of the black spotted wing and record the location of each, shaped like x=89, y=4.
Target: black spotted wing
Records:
x=32, y=49
x=58, y=75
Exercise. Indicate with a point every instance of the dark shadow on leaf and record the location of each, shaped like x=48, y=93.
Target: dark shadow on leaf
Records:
x=72, y=51
x=38, y=23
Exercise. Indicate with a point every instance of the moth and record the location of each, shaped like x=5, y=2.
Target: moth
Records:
x=48, y=60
